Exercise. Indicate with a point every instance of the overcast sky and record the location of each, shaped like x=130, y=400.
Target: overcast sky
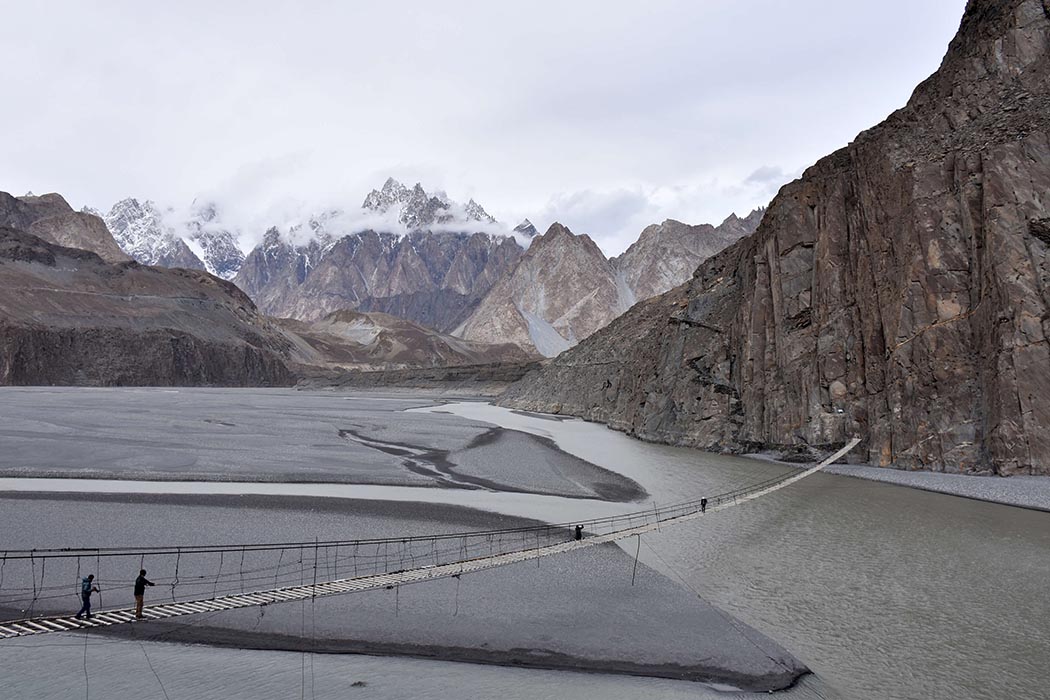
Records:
x=604, y=115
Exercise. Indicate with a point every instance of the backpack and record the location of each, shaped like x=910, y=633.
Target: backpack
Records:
x=85, y=587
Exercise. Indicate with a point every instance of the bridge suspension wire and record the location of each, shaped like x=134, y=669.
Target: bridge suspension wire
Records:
x=375, y=563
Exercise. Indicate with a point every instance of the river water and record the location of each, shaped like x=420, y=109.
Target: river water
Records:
x=884, y=591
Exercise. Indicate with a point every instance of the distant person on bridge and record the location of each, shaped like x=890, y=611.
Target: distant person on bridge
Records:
x=703, y=505
x=579, y=533
x=87, y=587
x=140, y=590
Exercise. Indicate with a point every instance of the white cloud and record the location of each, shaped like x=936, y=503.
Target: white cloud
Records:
x=614, y=218
x=661, y=109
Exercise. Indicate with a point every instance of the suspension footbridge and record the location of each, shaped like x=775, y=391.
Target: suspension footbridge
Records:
x=367, y=564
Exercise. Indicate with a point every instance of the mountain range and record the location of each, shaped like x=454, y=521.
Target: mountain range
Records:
x=563, y=288
x=430, y=260
x=480, y=285
x=69, y=316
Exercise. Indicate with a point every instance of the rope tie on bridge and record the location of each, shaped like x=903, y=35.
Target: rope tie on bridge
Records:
x=178, y=560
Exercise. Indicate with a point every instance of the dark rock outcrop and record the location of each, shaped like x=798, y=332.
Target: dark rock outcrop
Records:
x=899, y=291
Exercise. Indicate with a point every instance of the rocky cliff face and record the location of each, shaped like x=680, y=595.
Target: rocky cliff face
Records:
x=899, y=291
x=275, y=269
x=666, y=255
x=50, y=217
x=562, y=290
x=69, y=317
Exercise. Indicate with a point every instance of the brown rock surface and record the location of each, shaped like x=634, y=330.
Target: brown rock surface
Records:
x=352, y=339
x=50, y=217
x=899, y=291
x=562, y=290
x=666, y=255
x=69, y=317
x=432, y=278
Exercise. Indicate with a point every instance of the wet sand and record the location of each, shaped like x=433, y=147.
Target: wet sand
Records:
x=121, y=669
x=1021, y=491
x=279, y=436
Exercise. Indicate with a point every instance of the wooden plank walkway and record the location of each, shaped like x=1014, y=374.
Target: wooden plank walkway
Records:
x=47, y=625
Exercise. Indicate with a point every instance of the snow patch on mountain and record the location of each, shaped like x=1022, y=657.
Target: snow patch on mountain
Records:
x=544, y=336
x=141, y=231
x=413, y=209
x=155, y=235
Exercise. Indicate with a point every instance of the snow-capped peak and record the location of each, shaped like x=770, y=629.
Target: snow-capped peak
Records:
x=162, y=237
x=526, y=229
x=416, y=209
x=477, y=212
x=392, y=192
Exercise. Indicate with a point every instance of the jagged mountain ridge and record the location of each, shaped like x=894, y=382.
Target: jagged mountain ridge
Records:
x=217, y=244
x=898, y=291
x=427, y=277
x=526, y=230
x=432, y=266
x=141, y=232
x=417, y=210
x=564, y=288
x=155, y=236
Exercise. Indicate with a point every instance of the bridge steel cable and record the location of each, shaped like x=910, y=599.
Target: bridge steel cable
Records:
x=467, y=552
